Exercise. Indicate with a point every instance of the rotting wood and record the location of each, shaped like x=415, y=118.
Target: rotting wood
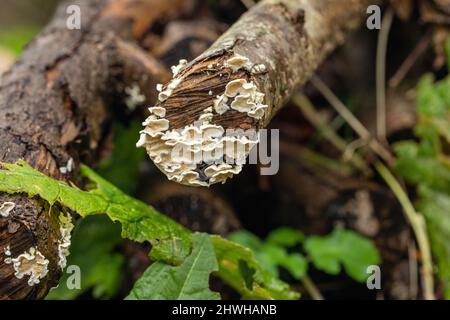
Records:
x=241, y=82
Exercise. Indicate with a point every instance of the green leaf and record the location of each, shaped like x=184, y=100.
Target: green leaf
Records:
x=140, y=222
x=436, y=208
x=296, y=264
x=285, y=237
x=425, y=171
x=271, y=255
x=344, y=247
x=246, y=239
x=92, y=250
x=231, y=256
x=188, y=281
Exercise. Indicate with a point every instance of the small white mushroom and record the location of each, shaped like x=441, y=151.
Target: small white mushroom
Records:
x=31, y=263
x=176, y=69
x=158, y=111
x=156, y=126
x=134, y=97
x=142, y=140
x=243, y=103
x=237, y=62
x=259, y=112
x=220, y=104
x=238, y=86
x=7, y=250
x=259, y=68
x=6, y=208
x=164, y=95
x=65, y=229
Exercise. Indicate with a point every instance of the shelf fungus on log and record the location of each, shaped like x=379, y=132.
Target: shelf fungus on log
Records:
x=206, y=121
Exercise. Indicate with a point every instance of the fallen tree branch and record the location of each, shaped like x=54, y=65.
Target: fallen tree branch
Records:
x=241, y=82
x=54, y=104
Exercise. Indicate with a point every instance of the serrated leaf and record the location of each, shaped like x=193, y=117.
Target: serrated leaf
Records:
x=188, y=281
x=344, y=247
x=231, y=256
x=93, y=242
x=171, y=242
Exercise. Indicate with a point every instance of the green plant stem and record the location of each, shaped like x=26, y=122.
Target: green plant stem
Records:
x=328, y=132
x=418, y=225
x=350, y=118
x=311, y=288
x=383, y=39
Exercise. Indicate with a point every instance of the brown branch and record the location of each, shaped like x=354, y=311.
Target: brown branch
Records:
x=241, y=82
x=54, y=104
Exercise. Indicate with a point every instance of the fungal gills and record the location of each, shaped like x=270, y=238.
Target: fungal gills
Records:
x=31, y=263
x=204, y=153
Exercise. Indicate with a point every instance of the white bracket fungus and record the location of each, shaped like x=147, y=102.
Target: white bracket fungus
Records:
x=6, y=208
x=31, y=263
x=247, y=99
x=176, y=69
x=238, y=62
x=7, y=250
x=65, y=228
x=203, y=153
x=67, y=168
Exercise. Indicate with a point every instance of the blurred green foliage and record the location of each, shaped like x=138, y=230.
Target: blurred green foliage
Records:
x=188, y=281
x=15, y=39
x=425, y=163
x=282, y=249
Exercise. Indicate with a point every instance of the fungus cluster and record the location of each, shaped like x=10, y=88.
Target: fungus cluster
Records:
x=204, y=153
x=65, y=229
x=30, y=263
x=6, y=208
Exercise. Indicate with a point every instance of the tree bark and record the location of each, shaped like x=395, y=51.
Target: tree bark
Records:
x=54, y=105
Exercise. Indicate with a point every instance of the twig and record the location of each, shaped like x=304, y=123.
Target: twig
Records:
x=406, y=66
x=419, y=227
x=327, y=131
x=415, y=219
x=311, y=288
x=383, y=38
x=359, y=128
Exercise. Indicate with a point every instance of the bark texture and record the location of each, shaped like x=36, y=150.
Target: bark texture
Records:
x=275, y=47
x=54, y=105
